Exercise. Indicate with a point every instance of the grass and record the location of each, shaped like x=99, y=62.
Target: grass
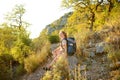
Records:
x=36, y=60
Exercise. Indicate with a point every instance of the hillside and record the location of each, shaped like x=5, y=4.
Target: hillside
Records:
x=94, y=62
x=96, y=29
x=98, y=51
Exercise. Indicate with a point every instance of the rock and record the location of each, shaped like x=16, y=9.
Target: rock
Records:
x=90, y=44
x=50, y=29
x=100, y=47
x=57, y=24
x=89, y=52
x=93, y=61
x=82, y=68
x=92, y=54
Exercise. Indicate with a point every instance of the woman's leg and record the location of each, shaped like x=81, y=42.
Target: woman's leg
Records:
x=54, y=59
x=55, y=53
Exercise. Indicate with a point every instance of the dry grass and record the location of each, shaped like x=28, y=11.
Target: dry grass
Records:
x=36, y=60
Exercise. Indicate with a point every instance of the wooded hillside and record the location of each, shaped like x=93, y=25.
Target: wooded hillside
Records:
x=95, y=26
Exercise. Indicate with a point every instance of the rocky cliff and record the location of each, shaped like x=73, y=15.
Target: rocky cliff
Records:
x=58, y=24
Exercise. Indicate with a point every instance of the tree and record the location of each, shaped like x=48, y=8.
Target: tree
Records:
x=112, y=4
x=15, y=18
x=88, y=6
x=14, y=42
x=7, y=38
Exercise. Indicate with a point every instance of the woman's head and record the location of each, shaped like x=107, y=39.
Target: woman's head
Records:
x=62, y=35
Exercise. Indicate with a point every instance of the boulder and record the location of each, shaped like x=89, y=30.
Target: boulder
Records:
x=100, y=47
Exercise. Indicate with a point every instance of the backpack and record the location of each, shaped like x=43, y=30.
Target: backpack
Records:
x=71, y=46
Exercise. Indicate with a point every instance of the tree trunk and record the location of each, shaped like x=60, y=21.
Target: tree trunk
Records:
x=92, y=19
x=98, y=4
x=111, y=5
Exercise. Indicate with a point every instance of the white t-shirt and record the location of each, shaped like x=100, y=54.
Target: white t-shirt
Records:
x=63, y=43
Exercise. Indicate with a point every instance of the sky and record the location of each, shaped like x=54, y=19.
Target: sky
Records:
x=39, y=13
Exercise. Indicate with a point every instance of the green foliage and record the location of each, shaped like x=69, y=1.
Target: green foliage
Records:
x=53, y=39
x=15, y=18
x=7, y=38
x=35, y=60
x=14, y=43
x=39, y=42
x=82, y=38
x=113, y=54
x=60, y=70
x=47, y=76
x=31, y=63
x=17, y=54
x=19, y=70
x=87, y=7
x=5, y=72
x=21, y=47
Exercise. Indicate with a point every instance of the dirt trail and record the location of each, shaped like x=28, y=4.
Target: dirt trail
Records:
x=97, y=68
x=37, y=74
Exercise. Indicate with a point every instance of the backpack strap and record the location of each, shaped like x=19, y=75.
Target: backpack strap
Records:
x=70, y=40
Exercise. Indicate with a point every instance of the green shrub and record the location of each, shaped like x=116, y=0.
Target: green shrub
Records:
x=19, y=70
x=82, y=38
x=36, y=60
x=54, y=39
x=47, y=76
x=5, y=71
x=31, y=63
x=60, y=70
x=114, y=55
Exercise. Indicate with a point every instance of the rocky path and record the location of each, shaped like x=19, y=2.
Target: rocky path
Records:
x=97, y=68
x=36, y=75
x=39, y=73
x=92, y=68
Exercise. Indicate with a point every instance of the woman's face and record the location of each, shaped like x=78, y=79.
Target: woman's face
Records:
x=61, y=35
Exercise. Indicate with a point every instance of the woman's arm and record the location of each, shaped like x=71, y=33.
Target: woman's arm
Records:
x=64, y=45
x=55, y=50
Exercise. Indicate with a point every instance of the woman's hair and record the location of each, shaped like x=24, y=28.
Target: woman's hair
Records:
x=65, y=35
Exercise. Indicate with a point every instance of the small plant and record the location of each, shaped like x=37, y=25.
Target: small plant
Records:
x=53, y=39
x=115, y=74
x=59, y=71
x=31, y=63
x=20, y=70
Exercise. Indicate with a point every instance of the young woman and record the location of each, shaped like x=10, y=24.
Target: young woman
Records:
x=62, y=49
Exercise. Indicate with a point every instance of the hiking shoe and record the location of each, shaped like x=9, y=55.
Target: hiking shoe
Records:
x=46, y=68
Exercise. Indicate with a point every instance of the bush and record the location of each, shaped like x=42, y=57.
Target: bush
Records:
x=20, y=70
x=53, y=39
x=31, y=63
x=60, y=70
x=36, y=60
x=115, y=74
x=114, y=55
x=82, y=39
x=5, y=73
